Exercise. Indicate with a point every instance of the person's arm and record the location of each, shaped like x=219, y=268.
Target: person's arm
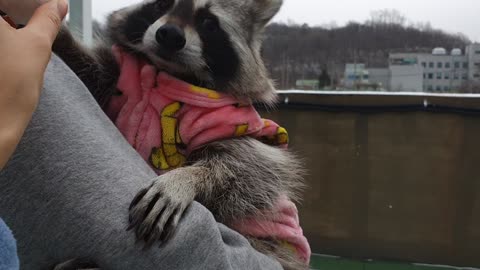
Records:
x=24, y=56
x=65, y=194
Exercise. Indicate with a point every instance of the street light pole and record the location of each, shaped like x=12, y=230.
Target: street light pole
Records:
x=80, y=21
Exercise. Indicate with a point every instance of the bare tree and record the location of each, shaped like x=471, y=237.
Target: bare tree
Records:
x=387, y=17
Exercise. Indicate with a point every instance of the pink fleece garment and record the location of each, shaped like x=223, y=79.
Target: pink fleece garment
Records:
x=165, y=119
x=282, y=223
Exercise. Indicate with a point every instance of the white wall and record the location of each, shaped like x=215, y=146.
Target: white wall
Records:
x=473, y=58
x=406, y=78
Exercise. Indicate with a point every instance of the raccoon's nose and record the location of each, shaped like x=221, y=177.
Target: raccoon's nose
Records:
x=171, y=37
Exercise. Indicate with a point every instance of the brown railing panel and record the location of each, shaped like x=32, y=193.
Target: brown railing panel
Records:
x=398, y=182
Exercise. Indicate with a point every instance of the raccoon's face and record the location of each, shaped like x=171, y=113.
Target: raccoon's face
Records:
x=210, y=43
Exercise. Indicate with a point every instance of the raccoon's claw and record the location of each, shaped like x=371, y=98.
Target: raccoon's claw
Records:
x=155, y=212
x=77, y=264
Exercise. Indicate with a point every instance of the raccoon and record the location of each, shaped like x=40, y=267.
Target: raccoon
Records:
x=214, y=44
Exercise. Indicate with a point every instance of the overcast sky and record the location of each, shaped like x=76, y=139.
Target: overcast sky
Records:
x=450, y=15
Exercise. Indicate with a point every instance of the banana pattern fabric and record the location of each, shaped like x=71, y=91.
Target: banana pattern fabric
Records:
x=165, y=119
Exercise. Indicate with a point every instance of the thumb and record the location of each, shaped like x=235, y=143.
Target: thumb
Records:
x=47, y=19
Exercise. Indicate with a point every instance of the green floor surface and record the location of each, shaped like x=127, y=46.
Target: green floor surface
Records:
x=329, y=263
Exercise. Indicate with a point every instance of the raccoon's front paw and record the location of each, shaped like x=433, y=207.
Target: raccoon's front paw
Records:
x=156, y=211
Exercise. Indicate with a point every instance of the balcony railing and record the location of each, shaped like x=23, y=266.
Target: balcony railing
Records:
x=391, y=176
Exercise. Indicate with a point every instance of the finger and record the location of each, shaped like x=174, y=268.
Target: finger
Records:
x=5, y=20
x=47, y=19
x=152, y=219
x=171, y=226
x=140, y=211
x=3, y=24
x=138, y=197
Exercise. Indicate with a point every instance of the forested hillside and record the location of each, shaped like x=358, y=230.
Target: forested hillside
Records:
x=301, y=52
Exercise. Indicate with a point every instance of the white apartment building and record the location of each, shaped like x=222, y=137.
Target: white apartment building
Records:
x=440, y=71
x=355, y=74
x=473, y=55
x=379, y=77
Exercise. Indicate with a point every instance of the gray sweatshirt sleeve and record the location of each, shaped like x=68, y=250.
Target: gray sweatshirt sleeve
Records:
x=65, y=194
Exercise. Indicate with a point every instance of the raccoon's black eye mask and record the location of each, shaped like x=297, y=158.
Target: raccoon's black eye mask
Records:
x=207, y=22
x=162, y=5
x=218, y=49
x=137, y=23
x=210, y=25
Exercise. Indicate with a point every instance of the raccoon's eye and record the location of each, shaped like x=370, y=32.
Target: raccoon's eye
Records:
x=163, y=5
x=210, y=24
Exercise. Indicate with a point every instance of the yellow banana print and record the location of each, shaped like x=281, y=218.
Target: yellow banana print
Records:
x=241, y=130
x=167, y=157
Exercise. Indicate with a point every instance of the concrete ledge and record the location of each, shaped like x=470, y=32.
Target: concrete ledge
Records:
x=380, y=101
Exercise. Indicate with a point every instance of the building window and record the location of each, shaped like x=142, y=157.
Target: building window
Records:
x=455, y=76
x=477, y=52
x=465, y=65
x=446, y=76
x=476, y=75
x=403, y=61
x=438, y=88
x=446, y=88
x=431, y=65
x=447, y=65
x=457, y=64
x=439, y=65
x=439, y=75
x=465, y=76
x=430, y=76
x=477, y=64
x=424, y=64
x=424, y=75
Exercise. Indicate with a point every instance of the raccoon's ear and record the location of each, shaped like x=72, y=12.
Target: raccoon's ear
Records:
x=266, y=9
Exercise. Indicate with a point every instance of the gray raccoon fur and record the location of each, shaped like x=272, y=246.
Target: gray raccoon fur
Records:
x=234, y=178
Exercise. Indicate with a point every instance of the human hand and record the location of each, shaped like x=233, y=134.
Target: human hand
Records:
x=20, y=10
x=25, y=54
